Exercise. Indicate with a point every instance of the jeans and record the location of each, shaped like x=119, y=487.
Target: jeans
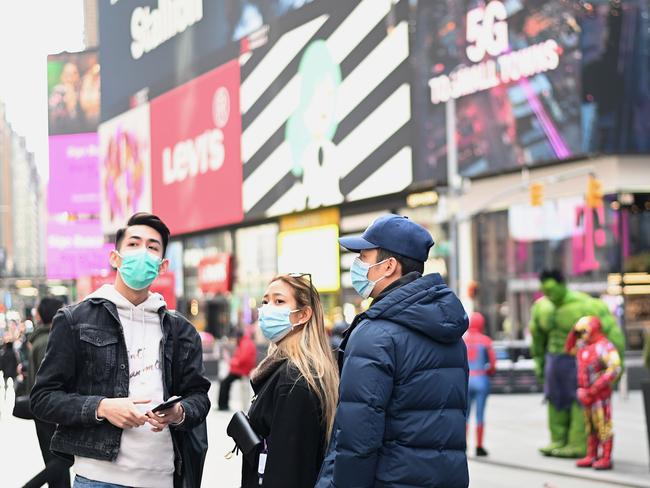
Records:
x=81, y=482
x=224, y=390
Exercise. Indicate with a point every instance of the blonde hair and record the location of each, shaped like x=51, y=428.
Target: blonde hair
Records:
x=310, y=351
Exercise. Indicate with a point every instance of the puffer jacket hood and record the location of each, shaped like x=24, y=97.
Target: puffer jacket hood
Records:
x=424, y=305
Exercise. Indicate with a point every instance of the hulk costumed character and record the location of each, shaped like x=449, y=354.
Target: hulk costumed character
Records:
x=553, y=317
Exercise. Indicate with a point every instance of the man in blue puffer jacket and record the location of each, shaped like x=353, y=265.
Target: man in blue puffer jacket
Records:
x=400, y=422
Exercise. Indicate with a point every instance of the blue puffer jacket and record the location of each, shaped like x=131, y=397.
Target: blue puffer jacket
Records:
x=400, y=422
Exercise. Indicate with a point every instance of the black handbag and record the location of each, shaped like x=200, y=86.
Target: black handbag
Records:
x=193, y=444
x=22, y=409
x=241, y=431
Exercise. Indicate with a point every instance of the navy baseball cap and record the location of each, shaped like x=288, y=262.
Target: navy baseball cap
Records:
x=393, y=233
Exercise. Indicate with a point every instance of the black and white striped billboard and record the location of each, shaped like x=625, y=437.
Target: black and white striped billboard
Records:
x=326, y=107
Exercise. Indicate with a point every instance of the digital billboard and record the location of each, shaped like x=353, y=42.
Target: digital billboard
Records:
x=529, y=82
x=512, y=72
x=196, y=160
x=73, y=185
x=162, y=44
x=325, y=105
x=76, y=248
x=73, y=89
x=125, y=167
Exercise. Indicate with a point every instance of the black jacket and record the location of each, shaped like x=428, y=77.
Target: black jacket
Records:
x=8, y=361
x=288, y=415
x=86, y=360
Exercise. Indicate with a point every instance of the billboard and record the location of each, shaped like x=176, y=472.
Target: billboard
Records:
x=512, y=72
x=195, y=152
x=76, y=248
x=73, y=186
x=325, y=107
x=322, y=241
x=125, y=167
x=215, y=274
x=162, y=44
x=73, y=90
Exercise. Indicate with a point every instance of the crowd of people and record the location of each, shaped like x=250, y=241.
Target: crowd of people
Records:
x=117, y=383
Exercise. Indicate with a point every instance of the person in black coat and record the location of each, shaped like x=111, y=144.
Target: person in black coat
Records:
x=295, y=389
x=8, y=364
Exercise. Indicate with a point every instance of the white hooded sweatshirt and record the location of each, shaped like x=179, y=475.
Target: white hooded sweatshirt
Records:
x=146, y=458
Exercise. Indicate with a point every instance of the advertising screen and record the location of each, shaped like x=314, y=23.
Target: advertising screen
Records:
x=73, y=90
x=73, y=186
x=196, y=161
x=511, y=70
x=125, y=167
x=325, y=108
x=323, y=242
x=76, y=249
x=162, y=44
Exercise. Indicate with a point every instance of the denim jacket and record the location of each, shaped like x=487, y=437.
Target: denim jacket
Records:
x=86, y=360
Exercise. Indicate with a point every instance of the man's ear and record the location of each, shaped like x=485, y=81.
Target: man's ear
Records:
x=114, y=259
x=164, y=266
x=394, y=267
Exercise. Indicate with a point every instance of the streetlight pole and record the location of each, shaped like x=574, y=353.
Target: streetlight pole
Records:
x=453, y=190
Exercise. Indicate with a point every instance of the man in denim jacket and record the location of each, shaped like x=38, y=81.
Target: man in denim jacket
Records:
x=109, y=362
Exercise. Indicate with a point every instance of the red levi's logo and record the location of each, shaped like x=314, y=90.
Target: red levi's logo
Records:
x=195, y=152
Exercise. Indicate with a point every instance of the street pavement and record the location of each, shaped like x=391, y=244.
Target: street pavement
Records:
x=515, y=428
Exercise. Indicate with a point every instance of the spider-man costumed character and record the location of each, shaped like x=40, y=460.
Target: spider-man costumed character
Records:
x=599, y=365
x=482, y=365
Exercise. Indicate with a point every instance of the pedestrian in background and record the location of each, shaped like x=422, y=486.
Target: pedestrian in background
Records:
x=482, y=365
x=57, y=470
x=8, y=363
x=242, y=362
x=403, y=394
x=110, y=360
x=295, y=387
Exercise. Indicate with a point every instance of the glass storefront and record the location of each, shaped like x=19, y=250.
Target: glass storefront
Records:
x=583, y=243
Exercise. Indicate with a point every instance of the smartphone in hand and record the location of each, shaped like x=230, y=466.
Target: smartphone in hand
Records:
x=166, y=404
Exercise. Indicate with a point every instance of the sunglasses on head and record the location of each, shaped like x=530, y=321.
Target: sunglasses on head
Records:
x=311, y=285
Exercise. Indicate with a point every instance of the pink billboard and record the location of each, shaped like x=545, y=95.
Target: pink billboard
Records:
x=125, y=164
x=76, y=249
x=74, y=174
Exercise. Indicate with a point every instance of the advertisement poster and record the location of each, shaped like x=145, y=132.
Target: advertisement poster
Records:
x=73, y=92
x=73, y=186
x=322, y=241
x=513, y=73
x=162, y=44
x=196, y=161
x=326, y=108
x=215, y=274
x=125, y=167
x=76, y=248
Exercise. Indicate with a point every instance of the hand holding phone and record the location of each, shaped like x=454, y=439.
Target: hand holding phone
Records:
x=166, y=404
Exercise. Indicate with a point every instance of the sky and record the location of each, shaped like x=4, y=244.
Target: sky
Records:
x=29, y=31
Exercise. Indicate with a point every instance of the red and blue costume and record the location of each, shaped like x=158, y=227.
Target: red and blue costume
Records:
x=482, y=365
x=599, y=366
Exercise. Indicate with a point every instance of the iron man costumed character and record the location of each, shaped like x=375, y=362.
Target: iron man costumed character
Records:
x=599, y=366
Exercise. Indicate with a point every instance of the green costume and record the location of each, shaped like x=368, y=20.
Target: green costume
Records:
x=552, y=318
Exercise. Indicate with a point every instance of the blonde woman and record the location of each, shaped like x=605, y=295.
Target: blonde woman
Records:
x=296, y=388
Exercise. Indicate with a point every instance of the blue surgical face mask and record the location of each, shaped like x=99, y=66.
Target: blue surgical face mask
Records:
x=360, y=281
x=139, y=268
x=275, y=323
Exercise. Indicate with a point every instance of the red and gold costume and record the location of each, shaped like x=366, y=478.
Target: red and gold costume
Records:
x=599, y=366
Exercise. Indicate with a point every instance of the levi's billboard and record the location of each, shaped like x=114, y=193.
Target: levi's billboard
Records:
x=195, y=152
